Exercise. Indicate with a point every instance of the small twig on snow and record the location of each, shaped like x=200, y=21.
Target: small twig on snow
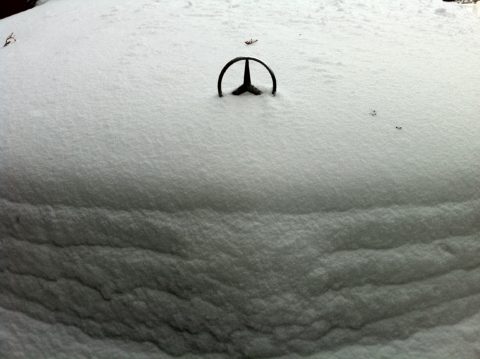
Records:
x=11, y=38
x=251, y=41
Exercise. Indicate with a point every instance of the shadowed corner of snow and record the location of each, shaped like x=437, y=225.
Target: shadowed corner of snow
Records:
x=12, y=7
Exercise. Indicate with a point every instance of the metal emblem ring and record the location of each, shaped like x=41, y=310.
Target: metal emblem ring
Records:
x=247, y=83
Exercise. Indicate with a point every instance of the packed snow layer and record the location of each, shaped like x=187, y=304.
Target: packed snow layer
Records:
x=143, y=217
x=250, y=284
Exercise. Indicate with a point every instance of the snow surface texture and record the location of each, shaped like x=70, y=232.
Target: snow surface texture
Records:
x=144, y=217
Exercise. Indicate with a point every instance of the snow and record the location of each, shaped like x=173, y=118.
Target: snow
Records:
x=143, y=216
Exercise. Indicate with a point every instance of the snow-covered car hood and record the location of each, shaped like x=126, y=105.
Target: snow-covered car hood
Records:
x=142, y=214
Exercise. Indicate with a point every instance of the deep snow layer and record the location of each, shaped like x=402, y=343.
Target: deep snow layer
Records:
x=247, y=284
x=141, y=215
x=114, y=104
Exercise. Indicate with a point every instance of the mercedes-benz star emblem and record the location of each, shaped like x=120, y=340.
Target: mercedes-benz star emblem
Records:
x=247, y=83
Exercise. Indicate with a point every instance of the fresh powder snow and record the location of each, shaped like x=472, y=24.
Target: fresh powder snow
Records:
x=143, y=216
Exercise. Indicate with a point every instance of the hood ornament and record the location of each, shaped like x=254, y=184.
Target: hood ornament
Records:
x=247, y=83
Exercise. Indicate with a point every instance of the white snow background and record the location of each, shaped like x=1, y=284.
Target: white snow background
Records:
x=142, y=216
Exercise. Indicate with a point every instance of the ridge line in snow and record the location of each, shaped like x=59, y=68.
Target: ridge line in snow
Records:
x=262, y=211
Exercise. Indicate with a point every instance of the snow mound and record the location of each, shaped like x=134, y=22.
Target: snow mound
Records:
x=143, y=216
